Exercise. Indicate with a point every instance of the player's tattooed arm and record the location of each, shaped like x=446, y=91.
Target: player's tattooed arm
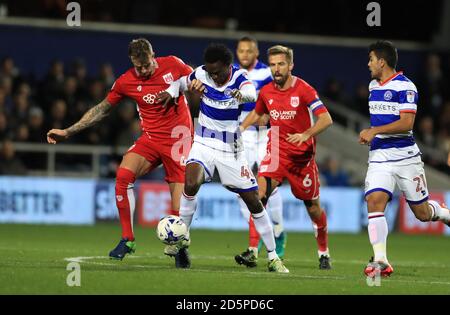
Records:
x=90, y=118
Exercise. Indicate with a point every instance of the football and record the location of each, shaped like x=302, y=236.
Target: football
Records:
x=171, y=230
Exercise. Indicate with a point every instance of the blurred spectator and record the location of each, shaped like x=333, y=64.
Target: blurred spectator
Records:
x=20, y=109
x=6, y=91
x=426, y=131
x=58, y=115
x=79, y=72
x=100, y=133
x=36, y=125
x=22, y=133
x=432, y=87
x=123, y=124
x=444, y=128
x=333, y=174
x=25, y=89
x=8, y=69
x=97, y=92
x=106, y=75
x=129, y=135
x=334, y=91
x=9, y=163
x=5, y=131
x=360, y=101
x=426, y=134
x=2, y=100
x=52, y=86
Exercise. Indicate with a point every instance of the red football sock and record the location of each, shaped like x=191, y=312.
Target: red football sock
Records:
x=253, y=234
x=321, y=232
x=124, y=192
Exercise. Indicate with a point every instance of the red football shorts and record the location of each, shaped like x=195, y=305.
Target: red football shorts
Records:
x=303, y=176
x=172, y=153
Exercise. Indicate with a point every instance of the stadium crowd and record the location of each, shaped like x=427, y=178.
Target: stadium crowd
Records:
x=30, y=107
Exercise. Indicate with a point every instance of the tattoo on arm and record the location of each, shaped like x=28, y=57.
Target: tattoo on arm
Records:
x=91, y=117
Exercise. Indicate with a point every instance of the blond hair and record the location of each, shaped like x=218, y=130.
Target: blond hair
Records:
x=279, y=49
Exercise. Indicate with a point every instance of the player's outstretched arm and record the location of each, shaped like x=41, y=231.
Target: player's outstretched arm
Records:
x=90, y=118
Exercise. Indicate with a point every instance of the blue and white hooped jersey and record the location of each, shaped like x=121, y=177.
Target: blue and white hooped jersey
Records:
x=386, y=101
x=218, y=121
x=260, y=75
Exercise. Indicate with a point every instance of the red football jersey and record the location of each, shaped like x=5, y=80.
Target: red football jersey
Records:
x=291, y=111
x=155, y=121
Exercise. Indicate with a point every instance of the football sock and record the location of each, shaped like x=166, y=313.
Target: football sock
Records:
x=265, y=229
x=125, y=201
x=275, y=209
x=378, y=232
x=188, y=205
x=272, y=255
x=321, y=233
x=437, y=212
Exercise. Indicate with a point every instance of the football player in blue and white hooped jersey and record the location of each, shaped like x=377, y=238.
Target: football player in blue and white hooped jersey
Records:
x=394, y=157
x=218, y=144
x=255, y=146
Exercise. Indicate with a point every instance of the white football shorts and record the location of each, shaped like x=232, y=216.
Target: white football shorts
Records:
x=409, y=178
x=233, y=169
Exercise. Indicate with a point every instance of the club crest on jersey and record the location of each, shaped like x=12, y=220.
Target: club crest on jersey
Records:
x=139, y=88
x=295, y=101
x=168, y=78
x=410, y=96
x=227, y=92
x=388, y=95
x=270, y=101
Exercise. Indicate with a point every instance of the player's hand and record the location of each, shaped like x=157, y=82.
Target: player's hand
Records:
x=366, y=136
x=196, y=86
x=56, y=135
x=165, y=98
x=298, y=138
x=237, y=95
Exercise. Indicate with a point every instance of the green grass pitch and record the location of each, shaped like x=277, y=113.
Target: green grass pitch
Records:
x=34, y=260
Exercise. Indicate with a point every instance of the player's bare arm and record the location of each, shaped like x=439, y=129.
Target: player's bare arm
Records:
x=90, y=118
x=323, y=122
x=403, y=125
x=195, y=87
x=250, y=120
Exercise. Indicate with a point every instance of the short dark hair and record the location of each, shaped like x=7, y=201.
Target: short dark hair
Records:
x=218, y=52
x=386, y=50
x=249, y=39
x=139, y=48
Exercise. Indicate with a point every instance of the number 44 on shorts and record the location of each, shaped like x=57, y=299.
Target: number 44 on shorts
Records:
x=245, y=172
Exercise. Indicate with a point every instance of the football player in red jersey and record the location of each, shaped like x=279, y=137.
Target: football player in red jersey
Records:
x=166, y=132
x=290, y=102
